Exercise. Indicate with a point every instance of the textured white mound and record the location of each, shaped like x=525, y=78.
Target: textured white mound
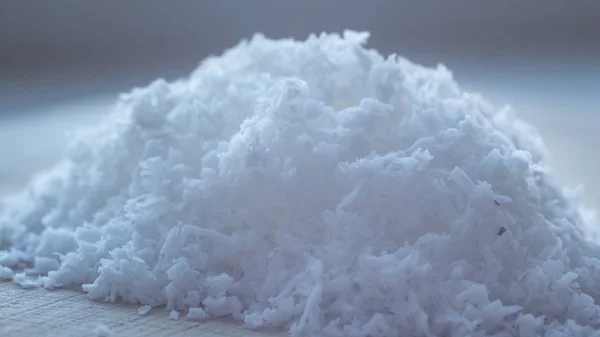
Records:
x=319, y=186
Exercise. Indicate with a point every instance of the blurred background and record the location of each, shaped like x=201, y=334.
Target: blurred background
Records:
x=63, y=62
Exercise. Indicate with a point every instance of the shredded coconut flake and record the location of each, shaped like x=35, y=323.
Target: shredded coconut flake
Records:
x=6, y=274
x=196, y=313
x=144, y=309
x=102, y=331
x=320, y=186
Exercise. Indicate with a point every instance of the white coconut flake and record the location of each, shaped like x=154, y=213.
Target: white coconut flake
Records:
x=42, y=265
x=319, y=186
x=144, y=310
x=26, y=281
x=196, y=313
x=102, y=331
x=6, y=274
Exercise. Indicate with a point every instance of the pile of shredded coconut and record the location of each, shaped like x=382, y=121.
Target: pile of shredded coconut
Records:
x=317, y=186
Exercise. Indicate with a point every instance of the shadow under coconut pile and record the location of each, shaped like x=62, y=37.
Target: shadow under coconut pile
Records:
x=318, y=186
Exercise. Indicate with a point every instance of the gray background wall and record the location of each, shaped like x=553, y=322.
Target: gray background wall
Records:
x=104, y=41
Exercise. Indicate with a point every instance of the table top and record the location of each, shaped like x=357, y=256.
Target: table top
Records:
x=65, y=313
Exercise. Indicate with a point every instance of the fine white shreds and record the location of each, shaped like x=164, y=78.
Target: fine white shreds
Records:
x=196, y=313
x=319, y=186
x=26, y=282
x=6, y=274
x=174, y=314
x=102, y=331
x=144, y=310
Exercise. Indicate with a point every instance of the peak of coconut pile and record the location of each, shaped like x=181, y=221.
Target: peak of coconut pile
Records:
x=318, y=186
